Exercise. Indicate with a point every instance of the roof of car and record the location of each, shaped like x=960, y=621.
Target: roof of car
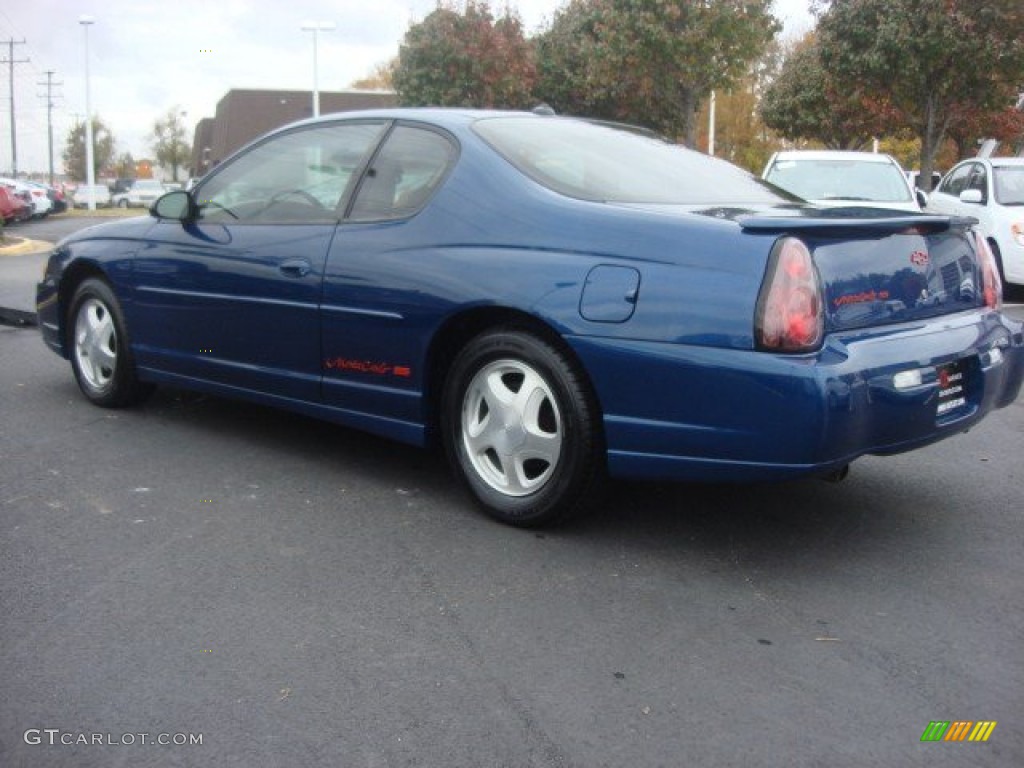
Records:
x=833, y=154
x=443, y=116
x=1006, y=160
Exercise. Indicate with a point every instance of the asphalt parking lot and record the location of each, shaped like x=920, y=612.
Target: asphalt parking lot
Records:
x=293, y=593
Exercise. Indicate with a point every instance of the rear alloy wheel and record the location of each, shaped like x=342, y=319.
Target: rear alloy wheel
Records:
x=100, y=356
x=520, y=428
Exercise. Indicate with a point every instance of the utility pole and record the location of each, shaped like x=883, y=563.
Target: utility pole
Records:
x=49, y=115
x=10, y=61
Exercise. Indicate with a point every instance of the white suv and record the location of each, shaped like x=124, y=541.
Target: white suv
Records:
x=990, y=189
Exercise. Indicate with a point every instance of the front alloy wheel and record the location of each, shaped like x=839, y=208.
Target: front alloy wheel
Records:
x=95, y=344
x=98, y=343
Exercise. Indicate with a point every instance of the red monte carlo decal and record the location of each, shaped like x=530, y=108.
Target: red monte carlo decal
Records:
x=919, y=258
x=368, y=367
x=862, y=298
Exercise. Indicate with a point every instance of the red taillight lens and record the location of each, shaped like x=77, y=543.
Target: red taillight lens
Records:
x=991, y=285
x=789, y=310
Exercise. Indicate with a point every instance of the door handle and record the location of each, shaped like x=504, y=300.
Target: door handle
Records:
x=295, y=267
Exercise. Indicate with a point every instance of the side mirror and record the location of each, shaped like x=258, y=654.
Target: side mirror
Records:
x=175, y=206
x=971, y=196
x=922, y=197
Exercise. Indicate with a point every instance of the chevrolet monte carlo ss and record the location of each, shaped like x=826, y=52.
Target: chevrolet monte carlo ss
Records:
x=553, y=300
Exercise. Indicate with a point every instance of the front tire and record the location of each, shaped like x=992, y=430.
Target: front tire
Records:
x=98, y=344
x=521, y=428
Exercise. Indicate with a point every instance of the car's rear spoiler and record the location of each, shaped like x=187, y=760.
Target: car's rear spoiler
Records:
x=826, y=224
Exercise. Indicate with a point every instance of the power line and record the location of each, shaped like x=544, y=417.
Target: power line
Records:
x=11, y=61
x=50, y=85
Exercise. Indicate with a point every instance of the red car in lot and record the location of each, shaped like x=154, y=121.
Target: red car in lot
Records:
x=12, y=207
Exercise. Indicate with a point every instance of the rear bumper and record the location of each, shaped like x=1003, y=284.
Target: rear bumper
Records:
x=703, y=414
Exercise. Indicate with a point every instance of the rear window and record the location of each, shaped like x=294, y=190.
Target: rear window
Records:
x=605, y=163
x=841, y=179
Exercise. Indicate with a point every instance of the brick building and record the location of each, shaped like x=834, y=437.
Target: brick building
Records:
x=243, y=115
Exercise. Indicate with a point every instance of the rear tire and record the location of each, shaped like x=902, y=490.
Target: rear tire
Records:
x=99, y=348
x=994, y=247
x=521, y=428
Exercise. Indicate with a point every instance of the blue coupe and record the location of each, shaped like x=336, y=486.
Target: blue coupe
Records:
x=553, y=300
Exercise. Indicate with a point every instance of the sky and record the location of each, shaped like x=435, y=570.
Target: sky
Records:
x=147, y=57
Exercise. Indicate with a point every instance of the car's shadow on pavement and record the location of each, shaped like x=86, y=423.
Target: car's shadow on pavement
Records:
x=785, y=525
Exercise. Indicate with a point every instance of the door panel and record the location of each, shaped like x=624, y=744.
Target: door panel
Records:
x=233, y=297
x=237, y=305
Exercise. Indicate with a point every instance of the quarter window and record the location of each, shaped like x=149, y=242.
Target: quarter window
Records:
x=407, y=169
x=298, y=177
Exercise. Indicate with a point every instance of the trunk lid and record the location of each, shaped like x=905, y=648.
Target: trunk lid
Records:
x=878, y=268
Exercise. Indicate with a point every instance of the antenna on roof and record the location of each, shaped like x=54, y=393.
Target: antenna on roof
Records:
x=543, y=109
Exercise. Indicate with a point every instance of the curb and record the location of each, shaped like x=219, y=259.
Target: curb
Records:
x=23, y=246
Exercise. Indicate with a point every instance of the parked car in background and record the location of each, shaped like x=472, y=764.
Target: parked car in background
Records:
x=990, y=189
x=142, y=193
x=35, y=195
x=836, y=178
x=12, y=207
x=100, y=192
x=548, y=299
x=57, y=202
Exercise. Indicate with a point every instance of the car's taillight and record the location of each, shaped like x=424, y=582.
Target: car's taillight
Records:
x=789, y=315
x=991, y=285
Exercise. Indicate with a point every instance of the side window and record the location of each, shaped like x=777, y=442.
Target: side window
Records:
x=409, y=166
x=956, y=181
x=298, y=177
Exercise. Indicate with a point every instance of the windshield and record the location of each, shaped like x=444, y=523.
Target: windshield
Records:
x=609, y=164
x=841, y=179
x=1009, y=185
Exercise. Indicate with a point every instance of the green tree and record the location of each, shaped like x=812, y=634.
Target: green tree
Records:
x=74, y=154
x=566, y=54
x=650, y=62
x=465, y=58
x=379, y=79
x=807, y=102
x=169, y=143
x=929, y=59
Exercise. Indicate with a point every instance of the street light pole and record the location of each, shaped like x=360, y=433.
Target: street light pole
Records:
x=90, y=174
x=316, y=27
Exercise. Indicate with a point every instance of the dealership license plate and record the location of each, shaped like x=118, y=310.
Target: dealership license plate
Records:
x=952, y=387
